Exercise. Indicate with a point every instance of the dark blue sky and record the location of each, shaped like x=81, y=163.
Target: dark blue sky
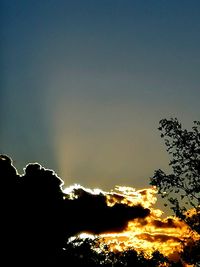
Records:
x=85, y=83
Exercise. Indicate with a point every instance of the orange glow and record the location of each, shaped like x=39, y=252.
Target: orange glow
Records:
x=131, y=197
x=148, y=234
x=151, y=233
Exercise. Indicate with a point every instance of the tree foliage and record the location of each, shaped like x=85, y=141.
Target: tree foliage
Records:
x=182, y=186
x=91, y=252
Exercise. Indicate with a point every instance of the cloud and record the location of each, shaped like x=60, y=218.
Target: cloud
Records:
x=150, y=233
x=158, y=238
x=8, y=171
x=31, y=213
x=91, y=212
x=39, y=216
x=167, y=223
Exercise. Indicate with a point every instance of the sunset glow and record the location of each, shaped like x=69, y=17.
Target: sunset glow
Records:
x=154, y=232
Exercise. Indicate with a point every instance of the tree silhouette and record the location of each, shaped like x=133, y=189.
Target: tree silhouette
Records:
x=182, y=186
x=81, y=253
x=191, y=252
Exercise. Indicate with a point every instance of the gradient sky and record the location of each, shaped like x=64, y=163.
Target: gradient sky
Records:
x=85, y=83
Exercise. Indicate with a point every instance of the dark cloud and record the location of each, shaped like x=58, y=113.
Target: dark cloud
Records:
x=31, y=214
x=38, y=216
x=158, y=237
x=8, y=171
x=167, y=223
x=91, y=213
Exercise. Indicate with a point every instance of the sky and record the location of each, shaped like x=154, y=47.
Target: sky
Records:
x=84, y=84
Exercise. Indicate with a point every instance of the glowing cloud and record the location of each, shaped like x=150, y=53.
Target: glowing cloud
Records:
x=143, y=233
x=150, y=233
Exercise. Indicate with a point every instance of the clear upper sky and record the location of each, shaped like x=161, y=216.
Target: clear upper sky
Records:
x=85, y=83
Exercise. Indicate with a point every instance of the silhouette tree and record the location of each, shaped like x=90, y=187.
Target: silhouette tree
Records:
x=182, y=186
x=191, y=253
x=82, y=253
